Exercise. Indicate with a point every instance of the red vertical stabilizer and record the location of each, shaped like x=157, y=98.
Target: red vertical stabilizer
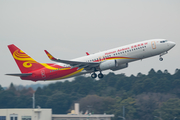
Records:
x=25, y=63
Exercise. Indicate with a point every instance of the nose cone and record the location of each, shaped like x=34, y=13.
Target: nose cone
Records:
x=171, y=44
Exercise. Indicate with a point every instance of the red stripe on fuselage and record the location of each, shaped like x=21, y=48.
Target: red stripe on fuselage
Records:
x=50, y=74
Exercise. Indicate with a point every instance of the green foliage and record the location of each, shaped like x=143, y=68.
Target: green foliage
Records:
x=148, y=102
x=96, y=104
x=129, y=105
x=59, y=102
x=143, y=96
x=1, y=88
x=169, y=109
x=7, y=99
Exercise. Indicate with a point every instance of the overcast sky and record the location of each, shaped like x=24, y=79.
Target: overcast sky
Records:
x=68, y=29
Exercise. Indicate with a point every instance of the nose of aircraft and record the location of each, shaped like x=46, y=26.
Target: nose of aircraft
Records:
x=171, y=44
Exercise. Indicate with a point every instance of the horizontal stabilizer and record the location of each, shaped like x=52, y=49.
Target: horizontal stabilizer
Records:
x=20, y=74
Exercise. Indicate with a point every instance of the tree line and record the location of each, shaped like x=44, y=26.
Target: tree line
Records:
x=145, y=97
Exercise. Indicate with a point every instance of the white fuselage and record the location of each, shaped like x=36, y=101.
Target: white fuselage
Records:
x=129, y=53
x=113, y=59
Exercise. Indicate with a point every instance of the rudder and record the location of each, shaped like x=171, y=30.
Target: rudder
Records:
x=25, y=63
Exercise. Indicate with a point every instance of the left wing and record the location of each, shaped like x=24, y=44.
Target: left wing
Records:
x=86, y=65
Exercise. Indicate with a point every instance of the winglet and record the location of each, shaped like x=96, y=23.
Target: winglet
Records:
x=49, y=55
x=87, y=53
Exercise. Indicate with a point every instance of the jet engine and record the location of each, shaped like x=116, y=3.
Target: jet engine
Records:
x=112, y=64
x=121, y=66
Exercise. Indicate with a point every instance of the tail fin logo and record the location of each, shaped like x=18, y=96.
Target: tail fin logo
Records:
x=21, y=56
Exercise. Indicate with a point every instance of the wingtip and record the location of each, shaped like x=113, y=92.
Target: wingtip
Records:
x=49, y=55
x=87, y=53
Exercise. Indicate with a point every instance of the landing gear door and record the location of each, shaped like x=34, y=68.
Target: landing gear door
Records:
x=153, y=44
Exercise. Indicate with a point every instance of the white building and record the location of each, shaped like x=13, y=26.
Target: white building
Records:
x=25, y=114
x=82, y=117
x=46, y=114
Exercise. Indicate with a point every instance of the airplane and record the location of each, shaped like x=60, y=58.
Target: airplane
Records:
x=113, y=59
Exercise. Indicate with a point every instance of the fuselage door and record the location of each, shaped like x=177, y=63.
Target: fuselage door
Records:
x=153, y=44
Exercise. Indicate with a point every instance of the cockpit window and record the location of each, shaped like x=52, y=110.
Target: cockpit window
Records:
x=163, y=41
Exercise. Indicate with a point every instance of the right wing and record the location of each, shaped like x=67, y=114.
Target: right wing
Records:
x=86, y=65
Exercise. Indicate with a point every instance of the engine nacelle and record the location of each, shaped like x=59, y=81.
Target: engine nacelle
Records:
x=113, y=65
x=108, y=64
x=121, y=66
